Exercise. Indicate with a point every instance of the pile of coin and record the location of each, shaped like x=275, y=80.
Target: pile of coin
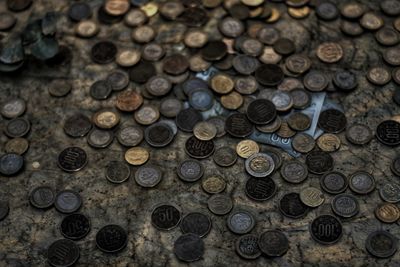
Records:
x=207, y=71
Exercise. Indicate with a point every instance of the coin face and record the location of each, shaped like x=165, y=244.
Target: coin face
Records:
x=294, y=171
x=220, y=204
x=204, y=130
x=260, y=165
x=129, y=101
x=312, y=197
x=17, y=127
x=326, y=229
x=390, y=192
x=332, y=121
x=273, y=243
x=361, y=182
x=68, y=258
x=315, y=81
x=359, y=134
x=147, y=115
x=378, y=75
x=260, y=189
x=329, y=142
x=111, y=238
x=238, y=125
x=388, y=133
x=213, y=184
x=387, y=213
x=190, y=170
x=165, y=217
x=117, y=172
x=269, y=74
x=225, y=156
x=247, y=246
x=303, y=143
x=75, y=226
x=196, y=223
x=291, y=206
x=137, y=156
x=187, y=119
x=199, y=149
x=148, y=176
x=68, y=201
x=189, y=247
x=334, y=182
x=42, y=197
x=13, y=108
x=345, y=205
x=17, y=146
x=329, y=52
x=240, y=222
x=106, y=119
x=159, y=135
x=319, y=162
x=11, y=164
x=381, y=244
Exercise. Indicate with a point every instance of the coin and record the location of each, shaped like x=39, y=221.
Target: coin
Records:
x=334, y=182
x=68, y=257
x=269, y=56
x=213, y=184
x=165, y=217
x=137, y=156
x=387, y=213
x=259, y=165
x=118, y=80
x=241, y=222
x=222, y=83
x=392, y=56
x=294, y=171
x=381, y=244
x=396, y=79
x=284, y=46
x=345, y=80
x=189, y=247
x=291, y=206
x=219, y=123
x=390, y=192
x=117, y=172
x=87, y=29
x=247, y=247
x=204, y=131
x=326, y=229
x=130, y=135
x=301, y=98
x=231, y=27
x=100, y=138
x=17, y=127
x=345, y=205
x=351, y=28
x=332, y=121
x=67, y=201
x=187, y=119
x=246, y=148
x=106, y=118
x=245, y=64
x=238, y=125
x=315, y=81
x=273, y=243
x=158, y=135
x=328, y=142
x=359, y=134
x=147, y=114
x=142, y=72
x=232, y=101
x=395, y=166
x=282, y=101
x=220, y=204
x=298, y=63
x=269, y=74
x=16, y=146
x=79, y=11
x=261, y=111
x=77, y=125
x=13, y=108
x=148, y=176
x=388, y=133
x=225, y=156
x=129, y=101
x=379, y=75
x=361, y=182
x=327, y=11
x=330, y=52
x=285, y=131
x=11, y=164
x=42, y=197
x=312, y=197
x=111, y=238
x=387, y=36
x=103, y=52
x=352, y=10
x=199, y=149
x=170, y=107
x=116, y=7
x=260, y=189
x=190, y=170
x=72, y=159
x=75, y=226
x=196, y=223
x=303, y=143
x=299, y=121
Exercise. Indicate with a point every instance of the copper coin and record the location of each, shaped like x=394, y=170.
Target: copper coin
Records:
x=285, y=131
x=222, y=83
x=232, y=101
x=175, y=64
x=328, y=142
x=213, y=184
x=143, y=34
x=387, y=213
x=379, y=75
x=195, y=38
x=152, y=52
x=137, y=156
x=298, y=63
x=129, y=101
x=147, y=114
x=352, y=10
x=303, y=143
x=330, y=52
x=106, y=119
x=299, y=121
x=128, y=57
x=387, y=36
x=116, y=7
x=371, y=21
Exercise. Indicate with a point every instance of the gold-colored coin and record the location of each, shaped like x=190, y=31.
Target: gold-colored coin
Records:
x=328, y=142
x=17, y=146
x=246, y=148
x=252, y=3
x=195, y=38
x=312, y=197
x=299, y=13
x=205, y=130
x=232, y=101
x=137, y=156
x=87, y=29
x=143, y=34
x=275, y=16
x=214, y=184
x=116, y=7
x=270, y=127
x=106, y=119
x=198, y=64
x=128, y=57
x=222, y=83
x=147, y=114
x=387, y=213
x=150, y=9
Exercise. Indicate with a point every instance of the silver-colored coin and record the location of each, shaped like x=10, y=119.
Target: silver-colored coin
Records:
x=130, y=136
x=196, y=223
x=381, y=244
x=17, y=127
x=260, y=165
x=390, y=192
x=361, y=182
x=220, y=204
x=359, y=134
x=170, y=107
x=241, y=222
x=190, y=170
x=282, y=100
x=42, y=197
x=148, y=176
x=334, y=182
x=68, y=201
x=247, y=247
x=225, y=156
x=294, y=171
x=345, y=205
x=100, y=138
x=13, y=108
x=219, y=123
x=117, y=172
x=77, y=125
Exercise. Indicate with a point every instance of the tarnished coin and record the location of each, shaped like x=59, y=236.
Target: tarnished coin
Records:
x=251, y=47
x=196, y=223
x=241, y=222
x=299, y=13
x=282, y=101
x=284, y=46
x=273, y=243
x=129, y=101
x=7, y=21
x=63, y=252
x=330, y=52
x=260, y=189
x=231, y=27
x=303, y=143
x=261, y=111
x=116, y=7
x=392, y=56
x=137, y=156
x=143, y=34
x=13, y=108
x=204, y=131
x=359, y=134
x=214, y=50
x=201, y=99
x=199, y=149
x=345, y=205
x=16, y=146
x=345, y=80
x=158, y=135
x=225, y=156
x=59, y=88
x=246, y=85
x=68, y=201
x=312, y=197
x=285, y=131
x=75, y=226
x=147, y=114
x=87, y=29
x=299, y=121
x=247, y=247
x=72, y=159
x=42, y=197
x=128, y=57
x=130, y=135
x=351, y=28
x=111, y=238
x=327, y=11
x=103, y=52
x=118, y=80
x=158, y=85
x=175, y=64
x=388, y=133
x=387, y=36
x=187, y=119
x=269, y=56
x=189, y=247
x=301, y=98
x=77, y=11
x=332, y=121
x=220, y=204
x=17, y=127
x=219, y=123
x=213, y=184
x=395, y=166
x=106, y=118
x=326, y=229
x=148, y=176
x=232, y=101
x=371, y=21
x=77, y=125
x=381, y=244
x=269, y=74
x=387, y=213
x=379, y=75
x=270, y=127
x=315, y=81
x=238, y=125
x=390, y=192
x=396, y=79
x=294, y=171
x=319, y=162
x=165, y=217
x=117, y=172
x=361, y=182
x=334, y=182
x=246, y=148
x=291, y=206
x=195, y=38
x=289, y=84
x=352, y=10
x=190, y=170
x=329, y=142
x=222, y=83
x=170, y=107
x=11, y=164
x=100, y=90
x=259, y=165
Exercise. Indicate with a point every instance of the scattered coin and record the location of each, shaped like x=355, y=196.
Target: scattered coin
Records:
x=63, y=252
x=129, y=101
x=291, y=206
x=326, y=229
x=319, y=162
x=106, y=118
x=147, y=115
x=345, y=205
x=303, y=143
x=329, y=142
x=204, y=131
x=72, y=159
x=165, y=217
x=379, y=75
x=190, y=170
x=42, y=197
x=111, y=238
x=299, y=121
x=238, y=125
x=359, y=134
x=187, y=119
x=294, y=171
x=246, y=148
x=282, y=101
x=117, y=172
x=220, y=204
x=390, y=192
x=137, y=156
x=395, y=166
x=196, y=223
x=158, y=135
x=269, y=74
x=381, y=244
x=148, y=176
x=330, y=52
x=189, y=247
x=334, y=182
x=214, y=184
x=273, y=243
x=388, y=133
x=199, y=149
x=260, y=189
x=68, y=201
x=361, y=182
x=17, y=146
x=332, y=121
x=312, y=197
x=77, y=125
x=225, y=156
x=11, y=164
x=260, y=165
x=241, y=222
x=315, y=81
x=247, y=247
x=75, y=226
x=4, y=209
x=17, y=127
x=301, y=98
x=387, y=213
x=103, y=52
x=13, y=108
x=261, y=111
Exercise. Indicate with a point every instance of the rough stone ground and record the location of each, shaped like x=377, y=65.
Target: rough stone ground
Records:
x=27, y=232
